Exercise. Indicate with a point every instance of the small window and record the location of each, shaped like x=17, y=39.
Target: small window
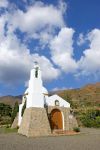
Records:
x=56, y=103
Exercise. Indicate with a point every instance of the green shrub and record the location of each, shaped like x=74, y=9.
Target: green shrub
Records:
x=5, y=110
x=5, y=120
x=91, y=118
x=97, y=122
x=8, y=126
x=76, y=129
x=15, y=111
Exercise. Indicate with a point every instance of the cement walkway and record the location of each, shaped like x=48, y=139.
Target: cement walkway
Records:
x=88, y=140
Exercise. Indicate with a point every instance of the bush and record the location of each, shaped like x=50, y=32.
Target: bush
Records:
x=8, y=126
x=76, y=129
x=5, y=110
x=15, y=111
x=5, y=120
x=91, y=118
x=97, y=122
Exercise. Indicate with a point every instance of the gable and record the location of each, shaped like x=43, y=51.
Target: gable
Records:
x=62, y=103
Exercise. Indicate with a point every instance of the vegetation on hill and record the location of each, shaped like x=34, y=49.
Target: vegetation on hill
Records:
x=10, y=100
x=14, y=111
x=84, y=101
x=5, y=110
x=88, y=117
x=86, y=96
x=5, y=114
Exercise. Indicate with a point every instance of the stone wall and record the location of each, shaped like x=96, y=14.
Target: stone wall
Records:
x=72, y=122
x=15, y=122
x=68, y=122
x=35, y=123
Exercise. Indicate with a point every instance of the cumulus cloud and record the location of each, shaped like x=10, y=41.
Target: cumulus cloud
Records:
x=2, y=30
x=89, y=64
x=42, y=22
x=3, y=3
x=28, y=1
x=37, y=17
x=38, y=22
x=16, y=60
x=48, y=70
x=61, y=88
x=82, y=39
x=62, y=50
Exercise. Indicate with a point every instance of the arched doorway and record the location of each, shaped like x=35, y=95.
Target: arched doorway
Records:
x=56, y=121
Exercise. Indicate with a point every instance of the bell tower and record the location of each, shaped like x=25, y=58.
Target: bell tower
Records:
x=35, y=121
x=35, y=97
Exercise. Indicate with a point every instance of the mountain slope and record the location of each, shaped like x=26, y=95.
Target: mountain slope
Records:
x=10, y=100
x=87, y=95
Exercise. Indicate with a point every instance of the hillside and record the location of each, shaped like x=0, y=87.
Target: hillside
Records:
x=87, y=95
x=10, y=100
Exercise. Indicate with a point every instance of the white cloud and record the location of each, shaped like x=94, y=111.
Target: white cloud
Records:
x=40, y=22
x=82, y=39
x=37, y=17
x=89, y=63
x=62, y=6
x=16, y=62
x=62, y=50
x=3, y=3
x=61, y=88
x=2, y=24
x=15, y=59
x=48, y=70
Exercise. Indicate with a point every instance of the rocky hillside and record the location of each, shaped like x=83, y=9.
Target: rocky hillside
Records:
x=87, y=95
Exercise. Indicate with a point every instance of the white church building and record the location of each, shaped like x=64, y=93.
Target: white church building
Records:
x=43, y=113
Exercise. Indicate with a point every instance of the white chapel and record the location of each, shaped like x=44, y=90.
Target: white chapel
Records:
x=43, y=113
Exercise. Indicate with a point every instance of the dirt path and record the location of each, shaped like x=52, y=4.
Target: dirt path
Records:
x=88, y=140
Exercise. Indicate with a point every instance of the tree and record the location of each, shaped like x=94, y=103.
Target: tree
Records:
x=15, y=111
x=69, y=99
x=5, y=110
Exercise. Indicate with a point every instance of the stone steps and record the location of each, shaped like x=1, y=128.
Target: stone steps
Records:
x=63, y=132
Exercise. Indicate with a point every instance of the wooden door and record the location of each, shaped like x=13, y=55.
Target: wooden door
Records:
x=56, y=119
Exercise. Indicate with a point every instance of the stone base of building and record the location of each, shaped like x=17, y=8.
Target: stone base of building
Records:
x=69, y=120
x=35, y=123
x=15, y=122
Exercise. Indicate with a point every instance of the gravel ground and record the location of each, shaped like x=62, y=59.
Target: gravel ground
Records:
x=89, y=139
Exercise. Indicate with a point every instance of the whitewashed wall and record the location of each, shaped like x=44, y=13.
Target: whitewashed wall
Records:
x=51, y=101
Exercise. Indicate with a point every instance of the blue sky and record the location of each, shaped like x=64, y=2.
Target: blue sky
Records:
x=63, y=36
